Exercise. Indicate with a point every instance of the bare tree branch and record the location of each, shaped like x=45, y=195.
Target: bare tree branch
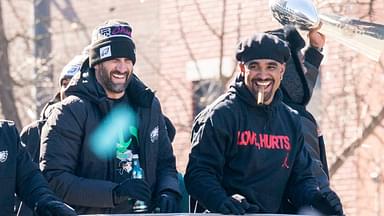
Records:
x=169, y=82
x=184, y=37
x=376, y=121
x=205, y=20
x=7, y=98
x=221, y=40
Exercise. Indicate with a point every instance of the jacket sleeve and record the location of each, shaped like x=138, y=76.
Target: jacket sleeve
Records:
x=30, y=183
x=316, y=150
x=302, y=184
x=312, y=61
x=206, y=161
x=30, y=138
x=166, y=164
x=61, y=143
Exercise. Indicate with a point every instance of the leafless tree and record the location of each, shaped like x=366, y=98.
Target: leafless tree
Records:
x=7, y=99
x=29, y=69
x=350, y=111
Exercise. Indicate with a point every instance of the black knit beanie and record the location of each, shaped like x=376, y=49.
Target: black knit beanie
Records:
x=262, y=46
x=111, y=40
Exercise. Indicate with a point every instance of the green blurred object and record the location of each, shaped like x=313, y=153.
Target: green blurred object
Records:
x=184, y=202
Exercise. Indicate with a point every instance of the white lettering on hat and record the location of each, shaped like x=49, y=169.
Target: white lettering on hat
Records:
x=105, y=51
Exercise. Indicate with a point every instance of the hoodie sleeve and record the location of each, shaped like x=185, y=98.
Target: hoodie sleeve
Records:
x=61, y=143
x=206, y=161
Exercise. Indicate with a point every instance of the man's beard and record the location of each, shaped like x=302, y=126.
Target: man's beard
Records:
x=265, y=95
x=106, y=80
x=256, y=90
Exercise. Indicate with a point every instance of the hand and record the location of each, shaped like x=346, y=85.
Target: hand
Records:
x=327, y=203
x=234, y=206
x=249, y=208
x=137, y=189
x=316, y=39
x=49, y=206
x=168, y=202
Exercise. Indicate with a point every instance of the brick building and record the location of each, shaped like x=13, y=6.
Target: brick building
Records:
x=180, y=47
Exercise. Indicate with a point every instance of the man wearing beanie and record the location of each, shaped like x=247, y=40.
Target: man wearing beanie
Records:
x=248, y=145
x=109, y=124
x=30, y=134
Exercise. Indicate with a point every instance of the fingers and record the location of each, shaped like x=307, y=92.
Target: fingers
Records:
x=235, y=207
x=56, y=208
x=166, y=205
x=163, y=205
x=231, y=206
x=137, y=189
x=245, y=204
x=144, y=192
x=316, y=39
x=253, y=208
x=317, y=27
x=335, y=202
x=328, y=203
x=238, y=205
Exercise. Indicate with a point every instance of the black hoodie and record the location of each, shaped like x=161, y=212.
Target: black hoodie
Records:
x=242, y=148
x=74, y=171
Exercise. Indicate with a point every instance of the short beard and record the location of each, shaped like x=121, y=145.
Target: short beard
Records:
x=106, y=81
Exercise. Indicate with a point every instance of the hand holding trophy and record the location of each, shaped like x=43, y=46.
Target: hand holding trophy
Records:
x=364, y=37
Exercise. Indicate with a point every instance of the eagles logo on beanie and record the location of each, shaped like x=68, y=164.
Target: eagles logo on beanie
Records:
x=111, y=40
x=262, y=46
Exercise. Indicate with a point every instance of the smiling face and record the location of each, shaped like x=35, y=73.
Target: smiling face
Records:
x=263, y=75
x=113, y=75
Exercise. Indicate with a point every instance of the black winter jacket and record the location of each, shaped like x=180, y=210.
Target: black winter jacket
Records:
x=30, y=134
x=254, y=151
x=30, y=138
x=297, y=86
x=74, y=171
x=18, y=174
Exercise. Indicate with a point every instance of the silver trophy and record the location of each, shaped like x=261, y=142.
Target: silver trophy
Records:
x=364, y=37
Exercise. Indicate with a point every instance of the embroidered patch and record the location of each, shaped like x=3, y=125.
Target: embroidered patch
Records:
x=105, y=52
x=115, y=31
x=3, y=156
x=155, y=134
x=106, y=32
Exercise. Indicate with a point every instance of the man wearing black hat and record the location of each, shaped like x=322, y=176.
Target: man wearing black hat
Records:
x=109, y=124
x=248, y=145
